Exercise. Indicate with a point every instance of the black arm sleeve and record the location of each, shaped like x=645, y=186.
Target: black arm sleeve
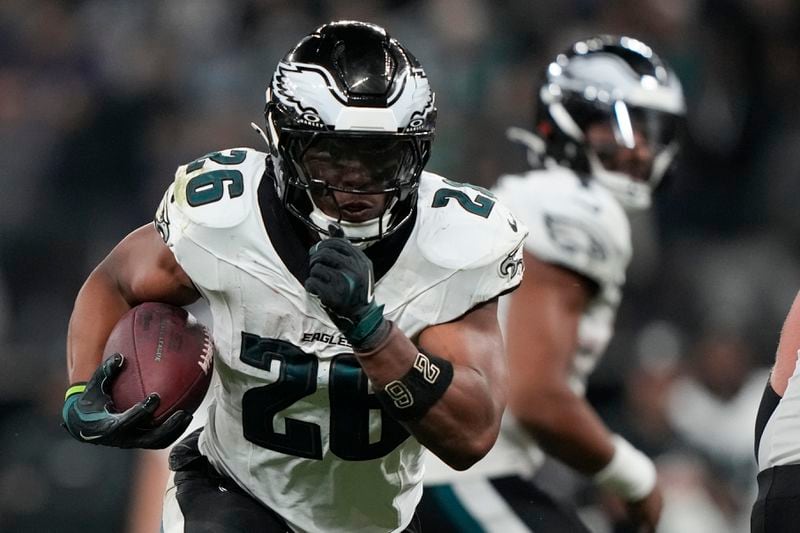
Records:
x=769, y=401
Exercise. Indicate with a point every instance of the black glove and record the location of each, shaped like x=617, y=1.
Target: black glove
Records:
x=89, y=415
x=341, y=278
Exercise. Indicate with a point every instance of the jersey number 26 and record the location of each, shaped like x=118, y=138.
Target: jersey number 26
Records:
x=349, y=398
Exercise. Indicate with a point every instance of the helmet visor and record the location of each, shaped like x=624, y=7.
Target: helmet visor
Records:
x=354, y=163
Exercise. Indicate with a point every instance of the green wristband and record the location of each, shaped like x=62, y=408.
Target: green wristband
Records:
x=75, y=388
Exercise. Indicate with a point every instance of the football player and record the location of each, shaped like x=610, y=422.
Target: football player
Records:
x=354, y=301
x=607, y=115
x=777, y=442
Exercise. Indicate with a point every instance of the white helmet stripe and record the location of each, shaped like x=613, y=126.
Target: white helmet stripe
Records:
x=314, y=95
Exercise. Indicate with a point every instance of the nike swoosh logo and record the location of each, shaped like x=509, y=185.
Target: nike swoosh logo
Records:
x=86, y=437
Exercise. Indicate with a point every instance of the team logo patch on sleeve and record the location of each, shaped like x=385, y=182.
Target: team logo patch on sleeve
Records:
x=512, y=265
x=162, y=218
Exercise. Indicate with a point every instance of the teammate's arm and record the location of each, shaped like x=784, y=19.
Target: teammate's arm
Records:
x=788, y=346
x=542, y=339
x=785, y=363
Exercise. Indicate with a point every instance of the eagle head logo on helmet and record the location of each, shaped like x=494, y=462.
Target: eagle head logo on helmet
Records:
x=352, y=91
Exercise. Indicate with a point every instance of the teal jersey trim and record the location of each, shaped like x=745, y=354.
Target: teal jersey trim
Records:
x=447, y=500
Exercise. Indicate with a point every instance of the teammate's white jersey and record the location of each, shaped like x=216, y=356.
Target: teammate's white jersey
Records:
x=293, y=419
x=576, y=224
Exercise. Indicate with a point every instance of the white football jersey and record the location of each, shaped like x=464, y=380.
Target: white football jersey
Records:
x=293, y=418
x=576, y=224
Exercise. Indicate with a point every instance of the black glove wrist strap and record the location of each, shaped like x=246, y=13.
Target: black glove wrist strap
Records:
x=379, y=340
x=376, y=339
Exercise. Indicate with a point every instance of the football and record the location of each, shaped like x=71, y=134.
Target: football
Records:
x=166, y=351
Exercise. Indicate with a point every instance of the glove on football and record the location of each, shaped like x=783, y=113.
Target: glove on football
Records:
x=341, y=278
x=89, y=416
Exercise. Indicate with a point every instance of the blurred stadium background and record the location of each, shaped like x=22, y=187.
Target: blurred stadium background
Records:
x=101, y=99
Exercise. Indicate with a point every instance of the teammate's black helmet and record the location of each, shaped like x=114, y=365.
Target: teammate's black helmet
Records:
x=620, y=81
x=350, y=91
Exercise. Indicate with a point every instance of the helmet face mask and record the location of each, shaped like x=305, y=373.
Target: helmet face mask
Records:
x=350, y=129
x=611, y=109
x=631, y=141
x=353, y=178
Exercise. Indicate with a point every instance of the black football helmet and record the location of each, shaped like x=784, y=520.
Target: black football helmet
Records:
x=619, y=81
x=352, y=92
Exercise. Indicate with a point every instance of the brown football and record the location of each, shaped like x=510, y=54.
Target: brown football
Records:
x=167, y=352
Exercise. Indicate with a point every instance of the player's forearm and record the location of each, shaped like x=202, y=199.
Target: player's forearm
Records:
x=566, y=427
x=139, y=269
x=98, y=307
x=461, y=425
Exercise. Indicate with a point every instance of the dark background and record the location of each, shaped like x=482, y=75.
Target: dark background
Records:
x=101, y=100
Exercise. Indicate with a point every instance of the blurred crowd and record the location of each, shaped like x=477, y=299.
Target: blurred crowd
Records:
x=100, y=100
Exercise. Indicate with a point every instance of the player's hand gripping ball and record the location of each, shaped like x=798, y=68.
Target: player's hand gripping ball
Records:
x=155, y=374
